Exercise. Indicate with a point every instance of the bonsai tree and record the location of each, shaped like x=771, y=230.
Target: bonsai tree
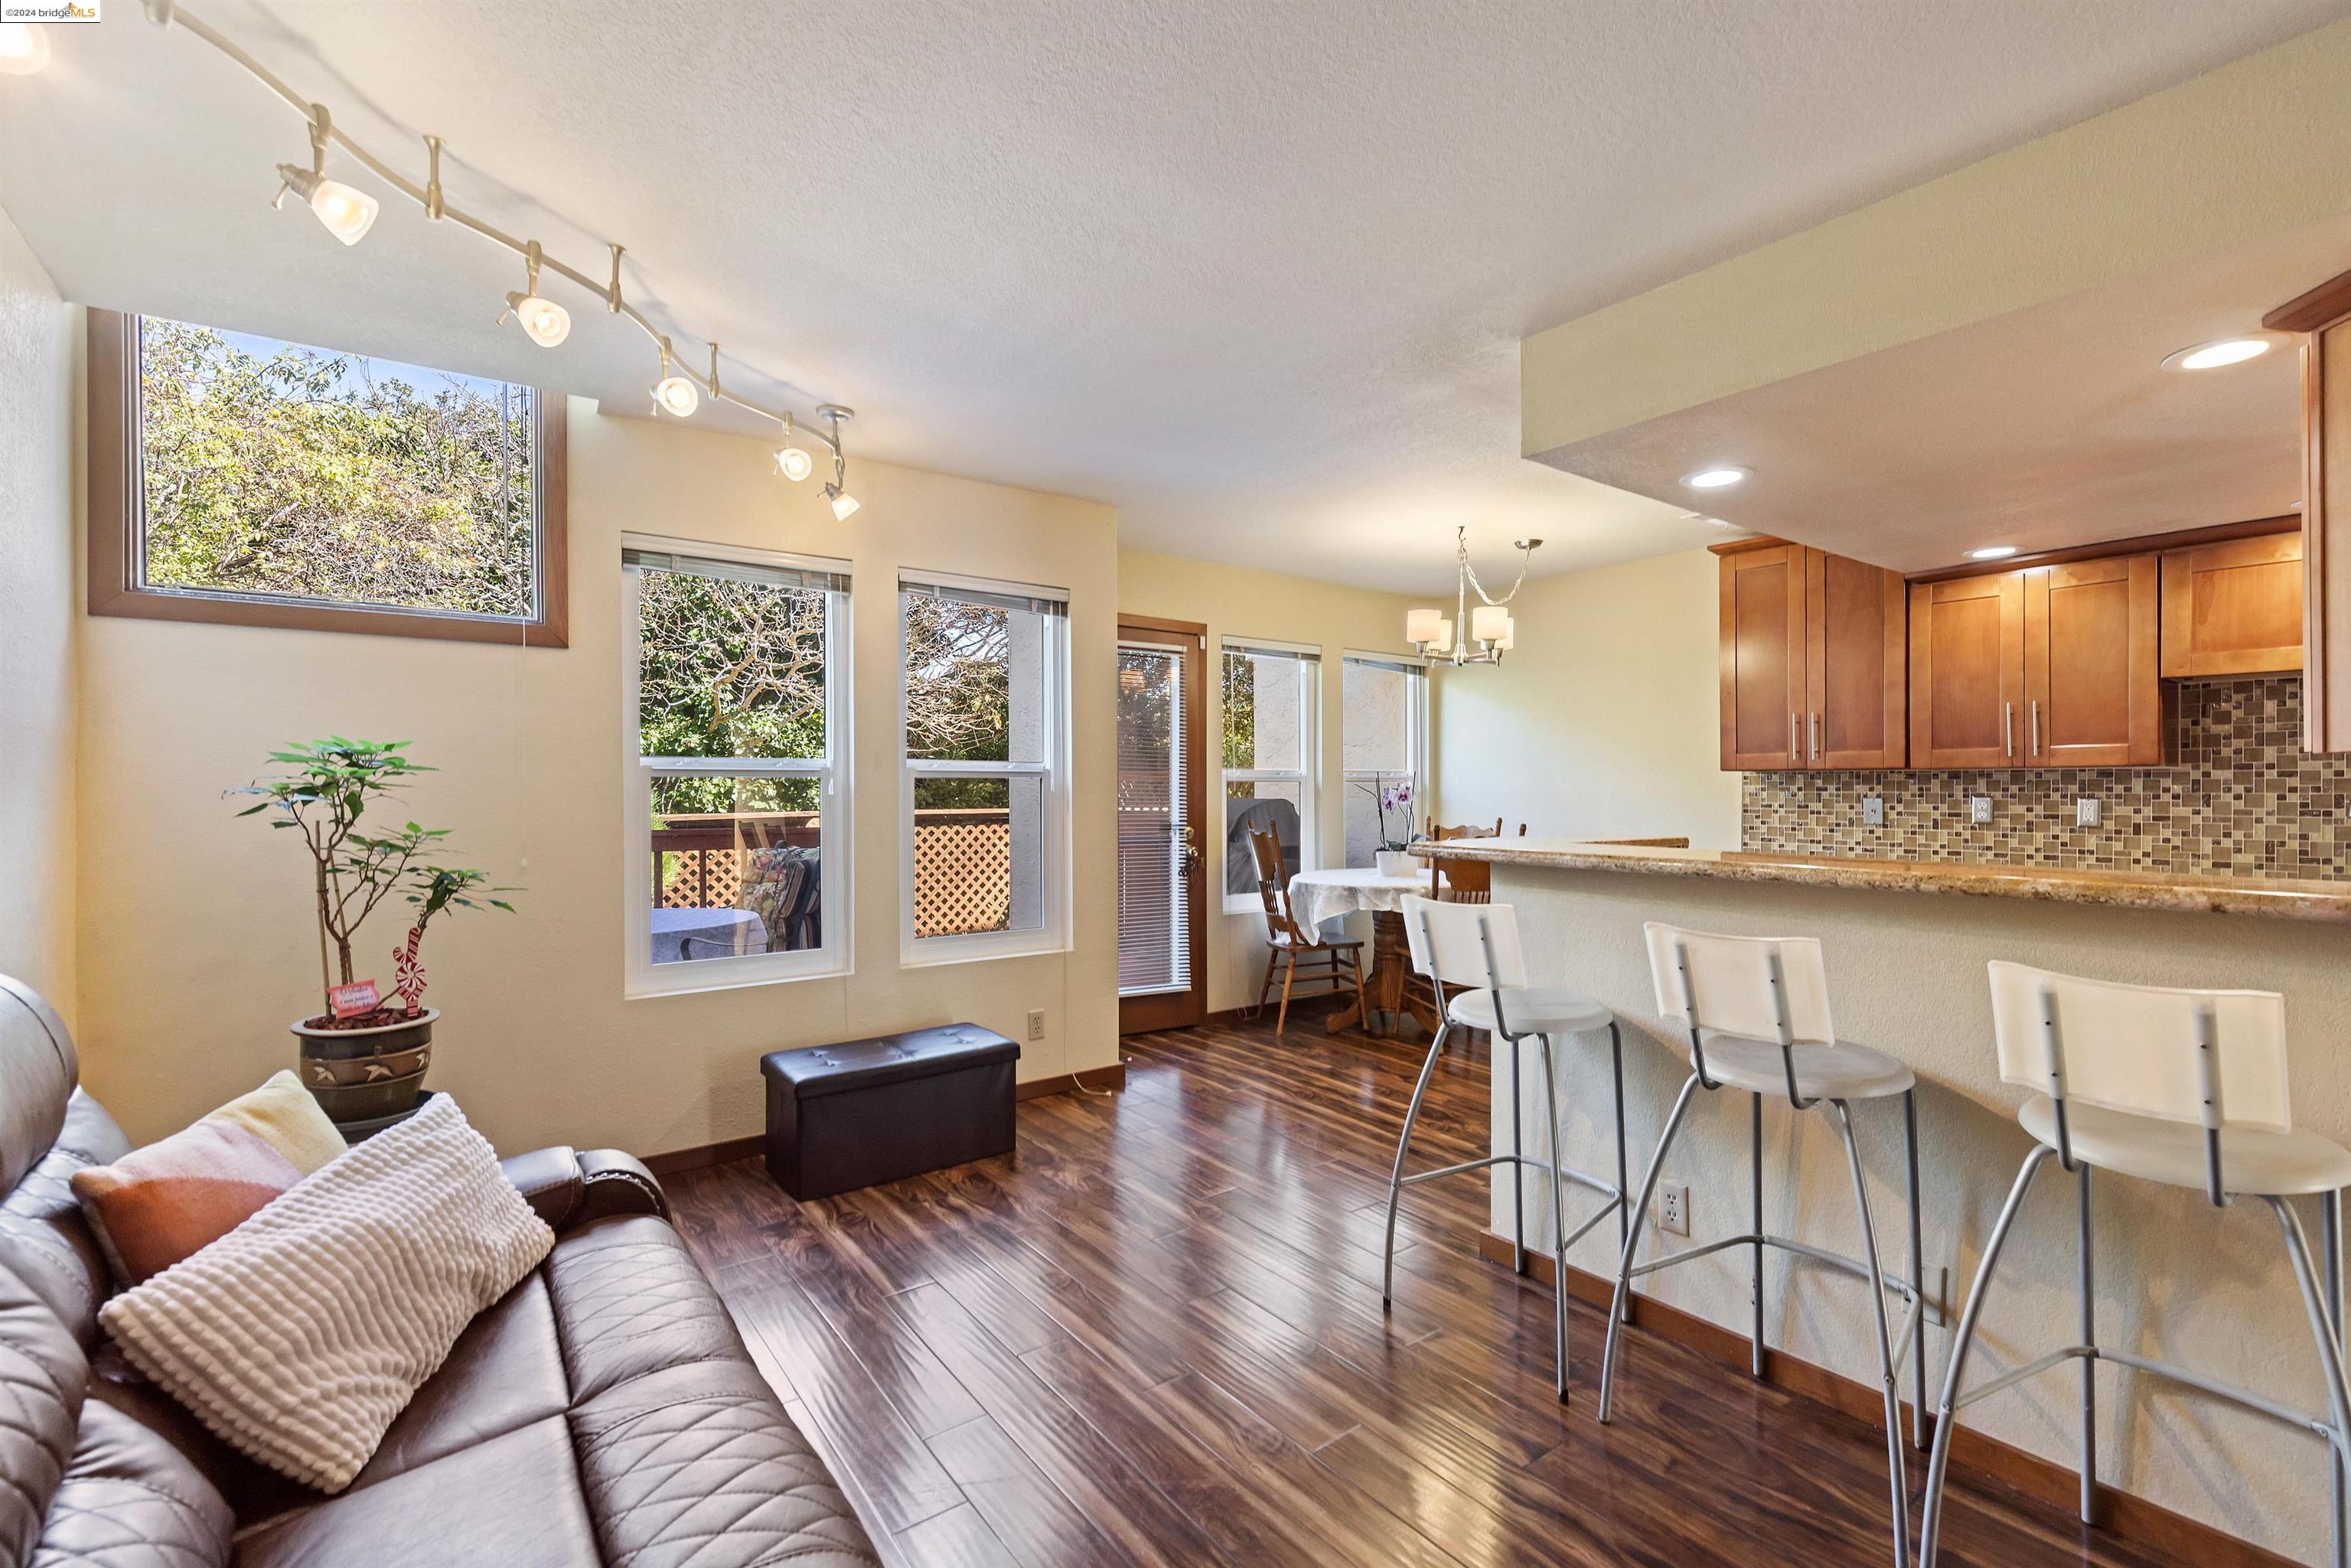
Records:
x=324, y=796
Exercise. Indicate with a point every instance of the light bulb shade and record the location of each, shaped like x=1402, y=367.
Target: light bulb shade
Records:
x=677, y=395
x=1487, y=623
x=1420, y=625
x=547, y=322
x=24, y=48
x=843, y=503
x=1445, y=635
x=794, y=464
x=1510, y=637
x=348, y=212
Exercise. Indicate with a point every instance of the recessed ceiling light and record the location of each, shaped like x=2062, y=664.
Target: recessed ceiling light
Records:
x=1715, y=478
x=1993, y=552
x=2221, y=351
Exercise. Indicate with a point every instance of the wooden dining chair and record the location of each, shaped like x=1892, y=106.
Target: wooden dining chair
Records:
x=1290, y=946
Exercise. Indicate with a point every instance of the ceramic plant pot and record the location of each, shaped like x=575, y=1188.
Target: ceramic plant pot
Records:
x=362, y=1074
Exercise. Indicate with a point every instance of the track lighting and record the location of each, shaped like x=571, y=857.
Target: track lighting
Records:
x=673, y=393
x=843, y=503
x=547, y=322
x=347, y=211
x=24, y=48
x=792, y=461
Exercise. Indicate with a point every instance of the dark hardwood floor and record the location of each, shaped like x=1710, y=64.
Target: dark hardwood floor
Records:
x=1154, y=1336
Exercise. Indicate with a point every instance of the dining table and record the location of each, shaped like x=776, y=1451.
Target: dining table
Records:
x=1316, y=896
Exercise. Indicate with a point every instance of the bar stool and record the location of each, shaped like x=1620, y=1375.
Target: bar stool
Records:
x=1475, y=946
x=2183, y=1087
x=1757, y=1009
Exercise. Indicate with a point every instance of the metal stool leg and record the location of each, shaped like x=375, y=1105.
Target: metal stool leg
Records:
x=1558, y=1220
x=2330, y=1212
x=1755, y=1192
x=1890, y=1383
x=2089, y=1362
x=1620, y=1303
x=1396, y=1177
x=1518, y=1165
x=1624, y=1183
x=1917, y=1277
x=1931, y=1507
x=2322, y=1328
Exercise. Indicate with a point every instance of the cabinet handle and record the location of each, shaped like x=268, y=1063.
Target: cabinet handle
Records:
x=1793, y=755
x=2033, y=728
x=2008, y=729
x=1813, y=729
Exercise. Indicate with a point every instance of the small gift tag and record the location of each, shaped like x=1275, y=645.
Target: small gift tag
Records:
x=359, y=997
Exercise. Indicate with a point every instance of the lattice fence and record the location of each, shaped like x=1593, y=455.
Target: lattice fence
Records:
x=963, y=872
x=701, y=879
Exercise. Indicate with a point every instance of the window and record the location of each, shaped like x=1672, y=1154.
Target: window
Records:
x=1270, y=747
x=738, y=708
x=249, y=480
x=985, y=743
x=1383, y=714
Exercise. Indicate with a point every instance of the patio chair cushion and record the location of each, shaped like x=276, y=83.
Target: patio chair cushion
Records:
x=780, y=885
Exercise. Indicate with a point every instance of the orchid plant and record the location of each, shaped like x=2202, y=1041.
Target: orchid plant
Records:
x=1390, y=792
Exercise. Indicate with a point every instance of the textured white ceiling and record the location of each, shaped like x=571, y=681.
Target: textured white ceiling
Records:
x=1254, y=272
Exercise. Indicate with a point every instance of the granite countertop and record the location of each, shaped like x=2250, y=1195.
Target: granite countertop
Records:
x=2123, y=889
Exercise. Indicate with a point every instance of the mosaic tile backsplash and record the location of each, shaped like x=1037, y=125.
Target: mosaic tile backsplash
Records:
x=2244, y=799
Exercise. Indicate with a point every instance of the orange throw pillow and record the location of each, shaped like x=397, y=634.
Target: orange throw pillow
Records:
x=157, y=1204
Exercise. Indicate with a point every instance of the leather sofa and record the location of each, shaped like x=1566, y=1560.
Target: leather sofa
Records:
x=603, y=1412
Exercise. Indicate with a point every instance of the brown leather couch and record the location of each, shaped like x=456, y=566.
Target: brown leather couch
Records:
x=603, y=1412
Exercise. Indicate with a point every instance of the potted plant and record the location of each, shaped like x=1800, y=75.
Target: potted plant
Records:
x=1392, y=796
x=363, y=1059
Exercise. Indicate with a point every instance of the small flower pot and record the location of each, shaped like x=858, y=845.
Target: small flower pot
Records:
x=1397, y=862
x=362, y=1074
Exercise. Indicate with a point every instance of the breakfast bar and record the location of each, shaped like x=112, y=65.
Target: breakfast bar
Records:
x=1907, y=943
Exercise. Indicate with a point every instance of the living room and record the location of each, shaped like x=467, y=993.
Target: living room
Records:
x=959, y=690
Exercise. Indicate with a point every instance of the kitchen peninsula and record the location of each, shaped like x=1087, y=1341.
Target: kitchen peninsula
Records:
x=1907, y=943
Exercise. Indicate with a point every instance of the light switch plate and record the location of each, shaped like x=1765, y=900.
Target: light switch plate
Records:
x=1979, y=810
x=2086, y=812
x=1873, y=811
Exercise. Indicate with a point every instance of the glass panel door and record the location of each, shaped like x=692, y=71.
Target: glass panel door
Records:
x=1160, y=913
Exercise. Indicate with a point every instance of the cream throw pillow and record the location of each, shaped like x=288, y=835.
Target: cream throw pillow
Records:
x=299, y=1336
x=282, y=1115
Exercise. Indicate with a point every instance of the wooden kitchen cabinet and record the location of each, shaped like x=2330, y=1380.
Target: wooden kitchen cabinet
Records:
x=1812, y=661
x=2233, y=608
x=2053, y=666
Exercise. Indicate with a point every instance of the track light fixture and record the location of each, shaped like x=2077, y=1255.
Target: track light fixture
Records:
x=24, y=48
x=673, y=393
x=347, y=211
x=547, y=322
x=792, y=461
x=843, y=503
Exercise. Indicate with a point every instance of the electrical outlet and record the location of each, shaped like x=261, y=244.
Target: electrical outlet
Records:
x=1673, y=1208
x=1979, y=810
x=1873, y=811
x=1036, y=1023
x=2086, y=812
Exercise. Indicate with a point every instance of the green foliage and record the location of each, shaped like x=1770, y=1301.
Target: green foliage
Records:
x=303, y=474
x=729, y=669
x=324, y=796
x=1240, y=719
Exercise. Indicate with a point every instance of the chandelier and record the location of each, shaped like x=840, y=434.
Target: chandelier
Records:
x=1489, y=625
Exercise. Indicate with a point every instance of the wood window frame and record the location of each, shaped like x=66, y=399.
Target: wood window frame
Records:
x=113, y=378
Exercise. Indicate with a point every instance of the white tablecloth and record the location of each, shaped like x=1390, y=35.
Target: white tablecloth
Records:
x=716, y=933
x=1316, y=896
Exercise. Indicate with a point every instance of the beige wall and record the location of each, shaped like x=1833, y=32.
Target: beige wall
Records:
x=2176, y=1280
x=196, y=942
x=1235, y=601
x=36, y=626
x=1602, y=723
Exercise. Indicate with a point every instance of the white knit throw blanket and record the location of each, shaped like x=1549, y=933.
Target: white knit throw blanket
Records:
x=299, y=1335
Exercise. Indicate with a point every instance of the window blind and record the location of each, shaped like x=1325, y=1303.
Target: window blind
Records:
x=1304, y=655
x=774, y=574
x=1400, y=665
x=994, y=595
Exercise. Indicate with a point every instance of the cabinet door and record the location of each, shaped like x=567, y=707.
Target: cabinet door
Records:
x=1856, y=665
x=1966, y=671
x=1763, y=654
x=2094, y=694
x=2233, y=609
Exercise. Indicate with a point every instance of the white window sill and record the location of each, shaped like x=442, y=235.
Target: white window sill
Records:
x=937, y=951
x=695, y=983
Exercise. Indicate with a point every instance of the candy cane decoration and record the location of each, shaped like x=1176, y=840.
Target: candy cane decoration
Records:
x=408, y=975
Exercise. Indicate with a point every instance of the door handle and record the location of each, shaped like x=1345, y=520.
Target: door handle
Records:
x=1812, y=730
x=1793, y=755
x=2008, y=729
x=2033, y=728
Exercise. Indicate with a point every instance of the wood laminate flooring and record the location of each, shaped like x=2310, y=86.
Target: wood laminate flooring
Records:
x=1154, y=1336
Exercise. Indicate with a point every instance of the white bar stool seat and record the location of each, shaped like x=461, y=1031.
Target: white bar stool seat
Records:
x=1475, y=946
x=1823, y=1072
x=2294, y=1164
x=1534, y=1009
x=2183, y=1087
